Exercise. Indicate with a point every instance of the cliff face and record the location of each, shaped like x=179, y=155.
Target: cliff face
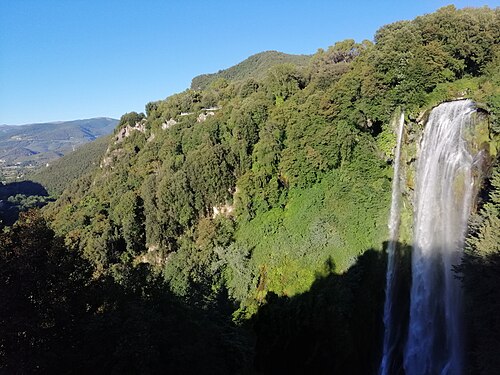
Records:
x=482, y=139
x=271, y=211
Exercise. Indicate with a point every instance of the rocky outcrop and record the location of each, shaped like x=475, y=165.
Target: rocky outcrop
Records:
x=167, y=124
x=127, y=130
x=203, y=116
x=225, y=210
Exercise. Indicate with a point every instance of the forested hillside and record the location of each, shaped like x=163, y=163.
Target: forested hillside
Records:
x=256, y=66
x=60, y=173
x=240, y=228
x=47, y=182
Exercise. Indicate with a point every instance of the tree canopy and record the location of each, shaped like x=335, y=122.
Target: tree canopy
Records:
x=248, y=198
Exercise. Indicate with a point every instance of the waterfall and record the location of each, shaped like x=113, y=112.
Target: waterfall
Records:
x=443, y=196
x=392, y=333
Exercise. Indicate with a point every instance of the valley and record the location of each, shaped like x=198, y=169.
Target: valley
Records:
x=26, y=148
x=337, y=212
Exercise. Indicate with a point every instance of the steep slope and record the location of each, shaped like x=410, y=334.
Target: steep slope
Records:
x=256, y=66
x=296, y=144
x=275, y=198
x=60, y=173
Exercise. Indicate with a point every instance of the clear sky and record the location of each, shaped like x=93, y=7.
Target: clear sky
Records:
x=73, y=59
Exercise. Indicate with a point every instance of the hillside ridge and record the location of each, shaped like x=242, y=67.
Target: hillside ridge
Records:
x=255, y=66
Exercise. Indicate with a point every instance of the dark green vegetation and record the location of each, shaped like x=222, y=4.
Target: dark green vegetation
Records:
x=480, y=272
x=244, y=221
x=21, y=196
x=256, y=67
x=48, y=182
x=62, y=172
x=25, y=148
x=57, y=318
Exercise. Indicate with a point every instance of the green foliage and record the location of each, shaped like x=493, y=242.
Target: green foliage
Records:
x=484, y=238
x=256, y=67
x=245, y=123
x=490, y=90
x=40, y=286
x=480, y=275
x=239, y=275
x=326, y=67
x=248, y=87
x=129, y=216
x=314, y=146
x=57, y=316
x=333, y=327
x=269, y=178
x=387, y=138
x=283, y=81
x=62, y=172
x=336, y=219
x=468, y=35
x=410, y=58
x=290, y=154
x=26, y=202
x=130, y=119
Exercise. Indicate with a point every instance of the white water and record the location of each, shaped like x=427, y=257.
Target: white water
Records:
x=443, y=197
x=391, y=330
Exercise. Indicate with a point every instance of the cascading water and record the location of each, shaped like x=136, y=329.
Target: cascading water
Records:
x=392, y=333
x=443, y=197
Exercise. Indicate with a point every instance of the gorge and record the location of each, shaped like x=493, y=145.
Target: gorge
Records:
x=445, y=190
x=129, y=269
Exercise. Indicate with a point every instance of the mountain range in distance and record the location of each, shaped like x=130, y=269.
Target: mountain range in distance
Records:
x=27, y=147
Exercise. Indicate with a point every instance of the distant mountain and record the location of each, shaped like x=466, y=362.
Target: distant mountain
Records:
x=26, y=147
x=256, y=66
x=62, y=172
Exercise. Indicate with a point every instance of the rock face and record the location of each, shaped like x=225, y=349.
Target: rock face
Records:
x=444, y=192
x=225, y=210
x=167, y=124
x=127, y=130
x=482, y=142
x=114, y=153
x=203, y=116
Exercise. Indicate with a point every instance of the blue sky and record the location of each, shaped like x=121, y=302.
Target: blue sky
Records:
x=71, y=59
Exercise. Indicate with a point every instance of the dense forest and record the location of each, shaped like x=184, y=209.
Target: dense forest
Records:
x=46, y=183
x=60, y=173
x=239, y=226
x=255, y=67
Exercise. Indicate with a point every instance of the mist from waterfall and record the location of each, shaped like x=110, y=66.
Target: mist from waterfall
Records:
x=443, y=196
